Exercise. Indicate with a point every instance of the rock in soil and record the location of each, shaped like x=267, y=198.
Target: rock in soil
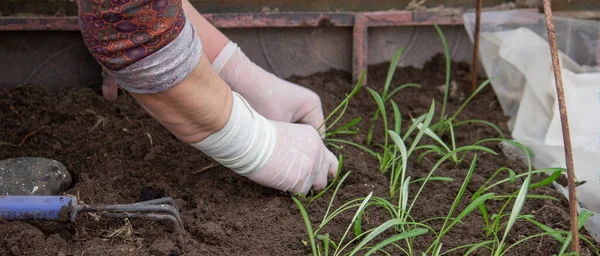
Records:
x=33, y=176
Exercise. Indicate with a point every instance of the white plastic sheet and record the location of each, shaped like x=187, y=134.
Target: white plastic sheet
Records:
x=515, y=52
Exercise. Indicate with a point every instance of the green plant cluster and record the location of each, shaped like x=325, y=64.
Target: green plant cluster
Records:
x=393, y=155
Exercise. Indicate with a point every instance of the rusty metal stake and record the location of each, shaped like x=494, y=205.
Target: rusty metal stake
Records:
x=565, y=126
x=476, y=46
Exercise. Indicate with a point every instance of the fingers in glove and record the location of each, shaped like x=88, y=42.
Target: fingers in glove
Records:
x=305, y=186
x=333, y=166
x=315, y=119
x=310, y=111
x=321, y=174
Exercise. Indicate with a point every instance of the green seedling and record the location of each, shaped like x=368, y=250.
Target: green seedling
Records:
x=387, y=158
x=475, y=204
x=515, y=213
x=346, y=129
x=399, y=184
x=394, y=153
x=497, y=245
x=492, y=228
x=341, y=108
x=557, y=234
x=448, y=124
x=399, y=172
x=386, y=94
x=327, y=245
x=563, y=237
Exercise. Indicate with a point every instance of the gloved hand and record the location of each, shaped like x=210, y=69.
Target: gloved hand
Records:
x=284, y=156
x=281, y=155
x=269, y=95
x=299, y=161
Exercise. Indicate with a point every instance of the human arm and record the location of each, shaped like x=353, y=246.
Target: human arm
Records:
x=203, y=112
x=167, y=72
x=271, y=96
x=197, y=107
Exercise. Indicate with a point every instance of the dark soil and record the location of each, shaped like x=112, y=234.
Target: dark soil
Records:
x=129, y=157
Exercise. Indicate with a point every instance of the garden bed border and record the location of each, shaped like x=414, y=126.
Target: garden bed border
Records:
x=359, y=21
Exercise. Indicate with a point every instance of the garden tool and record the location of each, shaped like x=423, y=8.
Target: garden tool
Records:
x=66, y=208
x=29, y=188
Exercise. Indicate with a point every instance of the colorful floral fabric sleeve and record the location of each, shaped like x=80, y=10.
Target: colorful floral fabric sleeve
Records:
x=147, y=45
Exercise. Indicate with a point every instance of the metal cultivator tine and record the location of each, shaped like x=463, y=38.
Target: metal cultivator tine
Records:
x=158, y=209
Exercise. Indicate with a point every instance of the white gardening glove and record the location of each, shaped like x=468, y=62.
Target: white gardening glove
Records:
x=269, y=95
x=284, y=156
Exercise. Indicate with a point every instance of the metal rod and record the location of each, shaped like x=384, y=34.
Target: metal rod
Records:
x=476, y=46
x=565, y=126
x=163, y=200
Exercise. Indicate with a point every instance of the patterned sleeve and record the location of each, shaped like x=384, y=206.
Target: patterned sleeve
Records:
x=147, y=45
x=121, y=32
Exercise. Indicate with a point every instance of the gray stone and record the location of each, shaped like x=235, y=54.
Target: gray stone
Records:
x=33, y=176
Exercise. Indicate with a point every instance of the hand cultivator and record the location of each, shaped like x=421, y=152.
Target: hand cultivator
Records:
x=66, y=208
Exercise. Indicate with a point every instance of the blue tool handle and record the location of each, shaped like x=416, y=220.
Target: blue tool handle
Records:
x=55, y=208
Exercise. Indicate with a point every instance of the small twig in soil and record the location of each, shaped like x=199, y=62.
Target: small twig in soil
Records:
x=83, y=177
x=95, y=216
x=203, y=169
x=149, y=137
x=125, y=231
x=565, y=126
x=476, y=46
x=100, y=118
x=24, y=138
x=544, y=207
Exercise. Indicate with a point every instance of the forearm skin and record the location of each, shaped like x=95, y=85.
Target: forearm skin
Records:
x=154, y=52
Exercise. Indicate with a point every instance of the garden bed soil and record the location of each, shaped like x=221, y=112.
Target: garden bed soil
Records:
x=128, y=157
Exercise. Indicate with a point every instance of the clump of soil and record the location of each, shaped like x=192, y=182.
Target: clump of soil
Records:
x=118, y=154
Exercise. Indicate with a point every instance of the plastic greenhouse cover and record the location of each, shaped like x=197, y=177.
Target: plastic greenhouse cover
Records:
x=514, y=52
